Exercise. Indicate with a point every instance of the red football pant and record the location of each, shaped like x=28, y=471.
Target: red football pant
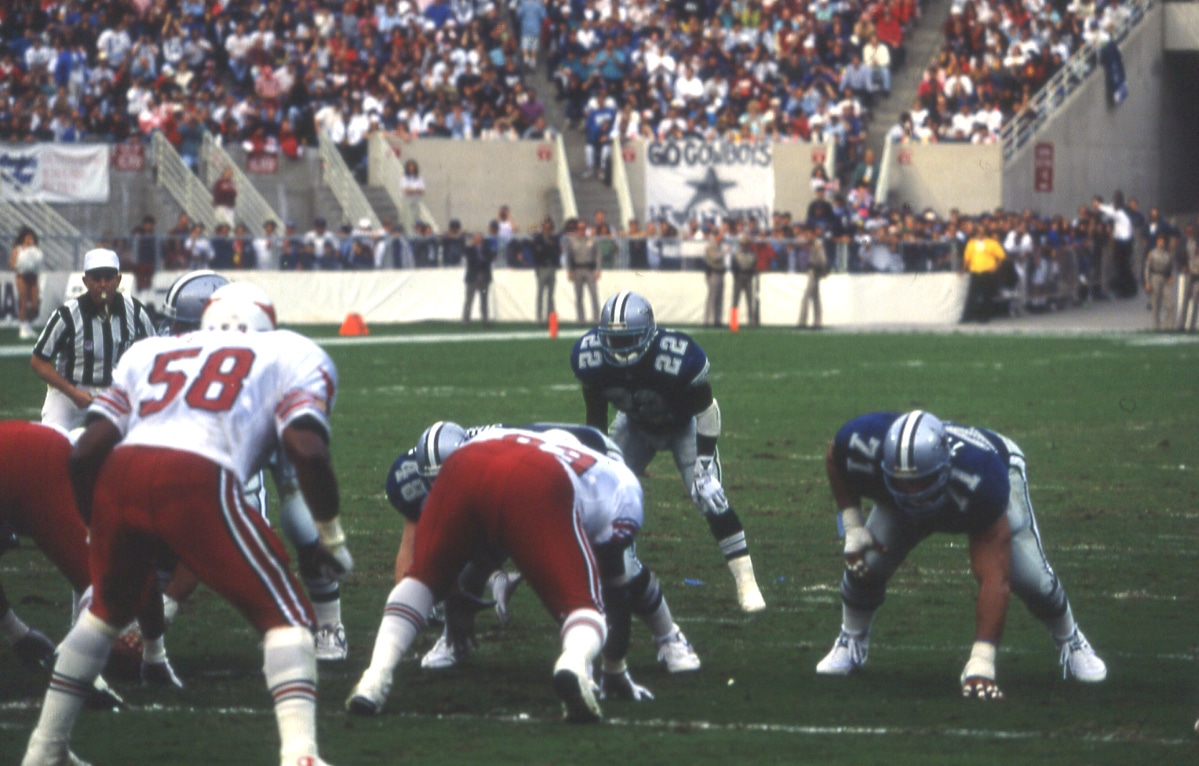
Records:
x=498, y=497
x=36, y=497
x=150, y=498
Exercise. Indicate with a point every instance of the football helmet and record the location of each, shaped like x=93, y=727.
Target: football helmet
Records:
x=185, y=301
x=916, y=462
x=239, y=306
x=626, y=328
x=435, y=445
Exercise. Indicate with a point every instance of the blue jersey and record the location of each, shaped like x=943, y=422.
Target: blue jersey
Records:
x=978, y=490
x=652, y=391
x=406, y=490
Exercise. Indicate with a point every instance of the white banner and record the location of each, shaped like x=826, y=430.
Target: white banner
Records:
x=693, y=179
x=54, y=173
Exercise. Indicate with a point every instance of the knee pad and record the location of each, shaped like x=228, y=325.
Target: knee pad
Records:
x=645, y=593
x=860, y=594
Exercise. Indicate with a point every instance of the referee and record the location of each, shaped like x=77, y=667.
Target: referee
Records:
x=84, y=339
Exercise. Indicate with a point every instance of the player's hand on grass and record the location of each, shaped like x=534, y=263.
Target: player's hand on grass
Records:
x=332, y=556
x=621, y=686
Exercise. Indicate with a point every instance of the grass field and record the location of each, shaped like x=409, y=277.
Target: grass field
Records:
x=1111, y=429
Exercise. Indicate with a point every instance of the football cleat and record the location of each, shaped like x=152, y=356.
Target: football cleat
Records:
x=35, y=651
x=675, y=653
x=444, y=654
x=1079, y=659
x=160, y=674
x=503, y=585
x=331, y=642
x=50, y=754
x=575, y=688
x=369, y=694
x=848, y=654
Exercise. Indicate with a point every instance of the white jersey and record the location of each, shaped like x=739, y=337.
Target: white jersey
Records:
x=608, y=497
x=224, y=395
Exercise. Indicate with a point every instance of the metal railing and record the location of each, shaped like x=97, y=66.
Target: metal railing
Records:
x=620, y=184
x=566, y=189
x=61, y=242
x=391, y=181
x=337, y=176
x=1058, y=89
x=181, y=183
x=252, y=208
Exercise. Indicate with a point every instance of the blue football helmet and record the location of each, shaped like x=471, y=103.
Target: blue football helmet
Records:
x=185, y=301
x=626, y=328
x=916, y=462
x=436, y=444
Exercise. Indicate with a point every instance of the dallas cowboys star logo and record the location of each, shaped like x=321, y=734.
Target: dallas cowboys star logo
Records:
x=710, y=188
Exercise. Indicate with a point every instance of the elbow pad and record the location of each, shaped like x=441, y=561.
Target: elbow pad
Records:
x=707, y=423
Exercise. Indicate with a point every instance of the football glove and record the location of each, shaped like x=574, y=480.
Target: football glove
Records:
x=621, y=686
x=460, y=611
x=503, y=585
x=858, y=540
x=35, y=651
x=706, y=491
x=333, y=558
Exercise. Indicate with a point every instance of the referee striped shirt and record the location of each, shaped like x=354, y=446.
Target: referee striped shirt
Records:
x=85, y=347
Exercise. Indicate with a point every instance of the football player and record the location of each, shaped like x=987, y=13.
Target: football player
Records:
x=630, y=588
x=36, y=501
x=182, y=308
x=188, y=419
x=925, y=476
x=658, y=381
x=566, y=514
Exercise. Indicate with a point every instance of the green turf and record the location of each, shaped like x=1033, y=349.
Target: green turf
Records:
x=1111, y=430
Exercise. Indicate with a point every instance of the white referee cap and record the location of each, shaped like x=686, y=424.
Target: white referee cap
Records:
x=100, y=258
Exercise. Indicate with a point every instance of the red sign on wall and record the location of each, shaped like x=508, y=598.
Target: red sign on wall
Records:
x=262, y=164
x=904, y=157
x=128, y=157
x=545, y=152
x=1042, y=172
x=819, y=155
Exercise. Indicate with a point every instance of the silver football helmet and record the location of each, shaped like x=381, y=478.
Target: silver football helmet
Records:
x=184, y=304
x=626, y=328
x=436, y=444
x=916, y=462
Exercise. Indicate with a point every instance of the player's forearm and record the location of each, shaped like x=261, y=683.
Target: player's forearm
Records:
x=46, y=370
x=597, y=409
x=843, y=494
x=309, y=453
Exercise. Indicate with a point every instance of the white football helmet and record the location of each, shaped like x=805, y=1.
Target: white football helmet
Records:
x=239, y=306
x=626, y=328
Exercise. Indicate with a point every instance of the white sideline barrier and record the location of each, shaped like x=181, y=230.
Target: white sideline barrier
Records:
x=384, y=297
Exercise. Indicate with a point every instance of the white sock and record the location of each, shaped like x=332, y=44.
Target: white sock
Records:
x=289, y=664
x=1062, y=626
x=856, y=622
x=404, y=617
x=81, y=657
x=154, y=650
x=583, y=634
x=327, y=612
x=661, y=622
x=12, y=628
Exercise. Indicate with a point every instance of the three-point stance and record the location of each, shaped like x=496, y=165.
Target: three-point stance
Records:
x=926, y=476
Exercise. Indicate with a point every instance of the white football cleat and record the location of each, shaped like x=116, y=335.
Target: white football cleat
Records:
x=331, y=644
x=675, y=653
x=41, y=753
x=848, y=654
x=574, y=686
x=369, y=694
x=443, y=655
x=1079, y=659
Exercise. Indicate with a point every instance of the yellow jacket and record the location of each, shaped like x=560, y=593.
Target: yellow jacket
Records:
x=982, y=255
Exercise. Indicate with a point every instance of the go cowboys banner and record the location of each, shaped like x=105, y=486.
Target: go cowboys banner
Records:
x=693, y=179
x=54, y=173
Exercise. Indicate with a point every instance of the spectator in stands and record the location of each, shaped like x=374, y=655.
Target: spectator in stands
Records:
x=413, y=187
x=26, y=261
x=717, y=252
x=817, y=269
x=318, y=243
x=1159, y=280
x=199, y=248
x=222, y=247
x=174, y=248
x=145, y=252
x=547, y=256
x=224, y=198
x=745, y=271
x=1123, y=283
x=877, y=57
x=266, y=247
x=531, y=16
x=294, y=252
x=583, y=265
